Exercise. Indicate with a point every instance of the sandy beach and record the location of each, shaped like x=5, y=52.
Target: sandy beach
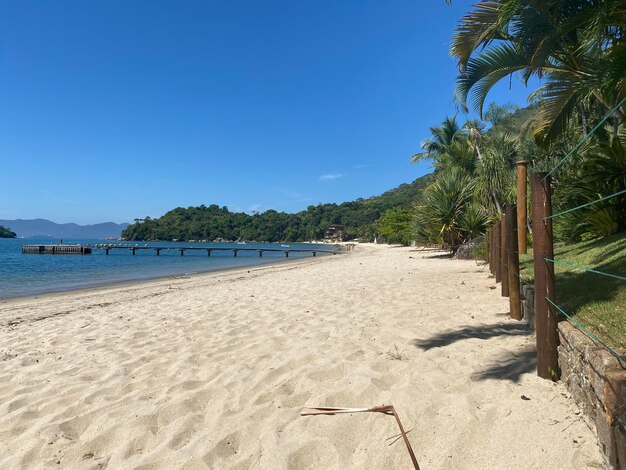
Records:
x=212, y=371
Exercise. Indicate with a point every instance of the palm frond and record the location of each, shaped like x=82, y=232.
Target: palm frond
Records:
x=558, y=99
x=418, y=157
x=553, y=39
x=485, y=70
x=477, y=29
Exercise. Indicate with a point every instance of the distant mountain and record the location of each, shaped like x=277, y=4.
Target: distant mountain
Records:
x=46, y=228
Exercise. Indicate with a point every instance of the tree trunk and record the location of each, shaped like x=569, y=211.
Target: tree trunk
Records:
x=495, y=200
x=618, y=112
x=583, y=119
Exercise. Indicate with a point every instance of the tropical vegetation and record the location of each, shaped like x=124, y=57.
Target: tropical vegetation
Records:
x=574, y=128
x=394, y=226
x=473, y=176
x=576, y=47
x=360, y=219
x=578, y=50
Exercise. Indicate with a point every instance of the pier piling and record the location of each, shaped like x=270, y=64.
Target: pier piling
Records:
x=87, y=249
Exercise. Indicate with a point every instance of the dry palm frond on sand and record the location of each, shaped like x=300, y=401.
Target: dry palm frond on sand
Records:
x=385, y=409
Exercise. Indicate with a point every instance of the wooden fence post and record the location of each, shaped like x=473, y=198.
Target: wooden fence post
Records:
x=522, y=177
x=504, y=260
x=515, y=306
x=496, y=251
x=487, y=245
x=543, y=248
x=491, y=257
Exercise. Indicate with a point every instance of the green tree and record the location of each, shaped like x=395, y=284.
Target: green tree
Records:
x=209, y=223
x=495, y=179
x=448, y=213
x=395, y=226
x=442, y=138
x=598, y=171
x=452, y=145
x=577, y=48
x=6, y=233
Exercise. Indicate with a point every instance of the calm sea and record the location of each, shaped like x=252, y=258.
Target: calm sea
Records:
x=27, y=274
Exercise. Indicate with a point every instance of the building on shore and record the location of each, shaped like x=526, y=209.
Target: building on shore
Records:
x=334, y=232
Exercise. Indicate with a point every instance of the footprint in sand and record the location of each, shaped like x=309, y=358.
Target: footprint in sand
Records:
x=329, y=373
x=190, y=428
x=313, y=455
x=227, y=447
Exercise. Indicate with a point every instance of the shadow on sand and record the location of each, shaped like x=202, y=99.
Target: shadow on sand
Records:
x=511, y=366
x=469, y=332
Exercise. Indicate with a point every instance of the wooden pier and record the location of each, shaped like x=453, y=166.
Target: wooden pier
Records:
x=57, y=249
x=157, y=249
x=107, y=248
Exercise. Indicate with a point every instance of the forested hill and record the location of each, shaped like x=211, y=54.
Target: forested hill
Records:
x=212, y=222
x=6, y=233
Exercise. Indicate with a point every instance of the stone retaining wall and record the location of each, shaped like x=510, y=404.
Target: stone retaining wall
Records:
x=596, y=381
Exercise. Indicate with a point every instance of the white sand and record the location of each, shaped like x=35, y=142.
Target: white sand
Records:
x=212, y=372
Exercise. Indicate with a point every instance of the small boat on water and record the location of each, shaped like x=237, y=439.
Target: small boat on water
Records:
x=285, y=246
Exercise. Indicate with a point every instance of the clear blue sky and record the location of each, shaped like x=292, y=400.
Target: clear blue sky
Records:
x=115, y=110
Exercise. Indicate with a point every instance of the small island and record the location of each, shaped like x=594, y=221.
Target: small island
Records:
x=6, y=233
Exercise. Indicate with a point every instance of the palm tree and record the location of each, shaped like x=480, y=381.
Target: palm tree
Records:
x=475, y=130
x=577, y=47
x=498, y=114
x=599, y=170
x=495, y=183
x=453, y=145
x=447, y=213
x=443, y=136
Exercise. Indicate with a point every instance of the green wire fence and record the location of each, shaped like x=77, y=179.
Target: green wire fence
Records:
x=552, y=302
x=502, y=253
x=582, y=268
x=573, y=209
x=585, y=138
x=572, y=320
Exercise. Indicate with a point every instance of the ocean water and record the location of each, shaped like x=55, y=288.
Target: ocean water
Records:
x=31, y=274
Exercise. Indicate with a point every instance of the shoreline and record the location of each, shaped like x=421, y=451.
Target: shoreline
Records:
x=212, y=371
x=149, y=279
x=118, y=287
